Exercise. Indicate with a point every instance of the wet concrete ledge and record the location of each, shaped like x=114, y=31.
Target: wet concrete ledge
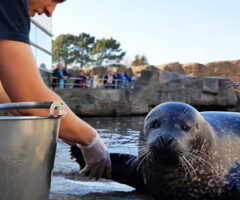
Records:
x=104, y=196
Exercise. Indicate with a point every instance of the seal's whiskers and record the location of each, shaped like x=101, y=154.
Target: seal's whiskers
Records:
x=141, y=159
x=193, y=172
x=184, y=167
x=202, y=160
x=199, y=152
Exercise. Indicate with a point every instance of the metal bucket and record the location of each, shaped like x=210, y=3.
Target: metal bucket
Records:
x=27, y=151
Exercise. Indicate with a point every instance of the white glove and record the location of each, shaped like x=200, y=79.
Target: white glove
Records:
x=97, y=159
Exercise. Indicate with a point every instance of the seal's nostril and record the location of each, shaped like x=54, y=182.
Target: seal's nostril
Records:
x=170, y=141
x=165, y=141
x=162, y=140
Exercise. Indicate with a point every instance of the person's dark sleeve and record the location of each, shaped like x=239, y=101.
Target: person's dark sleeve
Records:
x=14, y=20
x=114, y=81
x=105, y=80
x=128, y=77
x=56, y=74
x=77, y=83
x=65, y=73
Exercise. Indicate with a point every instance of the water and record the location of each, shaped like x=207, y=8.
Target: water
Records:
x=121, y=136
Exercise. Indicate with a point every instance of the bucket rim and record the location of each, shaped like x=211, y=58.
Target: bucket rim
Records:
x=28, y=117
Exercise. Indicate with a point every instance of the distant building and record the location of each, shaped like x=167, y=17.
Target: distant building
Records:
x=41, y=44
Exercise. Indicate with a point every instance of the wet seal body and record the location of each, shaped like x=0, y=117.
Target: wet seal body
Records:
x=183, y=154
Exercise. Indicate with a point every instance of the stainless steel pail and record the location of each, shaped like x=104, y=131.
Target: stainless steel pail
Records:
x=27, y=151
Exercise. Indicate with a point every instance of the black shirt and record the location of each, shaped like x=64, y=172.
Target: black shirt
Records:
x=14, y=20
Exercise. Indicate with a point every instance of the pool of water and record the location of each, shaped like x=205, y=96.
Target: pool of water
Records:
x=121, y=136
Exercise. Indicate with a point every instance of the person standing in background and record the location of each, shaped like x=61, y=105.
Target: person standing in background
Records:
x=80, y=82
x=91, y=82
x=109, y=80
x=60, y=76
x=123, y=79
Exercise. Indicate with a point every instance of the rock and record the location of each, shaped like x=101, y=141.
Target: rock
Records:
x=96, y=102
x=226, y=69
x=172, y=67
x=156, y=77
x=238, y=102
x=194, y=69
x=150, y=89
x=197, y=91
x=136, y=70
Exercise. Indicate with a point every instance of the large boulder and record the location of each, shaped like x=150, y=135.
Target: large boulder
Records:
x=150, y=89
x=157, y=87
x=172, y=67
x=137, y=70
x=194, y=69
x=226, y=69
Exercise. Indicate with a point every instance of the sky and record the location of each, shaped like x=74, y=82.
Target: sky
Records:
x=164, y=31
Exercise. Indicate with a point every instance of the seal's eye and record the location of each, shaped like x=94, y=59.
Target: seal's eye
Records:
x=185, y=127
x=155, y=124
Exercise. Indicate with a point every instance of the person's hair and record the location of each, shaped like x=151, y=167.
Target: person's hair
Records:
x=59, y=1
x=91, y=71
x=60, y=64
x=110, y=69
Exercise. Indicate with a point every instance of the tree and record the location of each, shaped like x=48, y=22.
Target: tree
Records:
x=107, y=51
x=83, y=45
x=139, y=61
x=83, y=50
x=62, y=48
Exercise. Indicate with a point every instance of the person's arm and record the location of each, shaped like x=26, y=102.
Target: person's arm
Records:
x=56, y=74
x=114, y=81
x=127, y=77
x=105, y=80
x=66, y=75
x=22, y=82
x=118, y=76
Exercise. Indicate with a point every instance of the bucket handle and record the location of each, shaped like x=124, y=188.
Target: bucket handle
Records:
x=52, y=106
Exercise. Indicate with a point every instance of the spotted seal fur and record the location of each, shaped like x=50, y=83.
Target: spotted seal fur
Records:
x=183, y=154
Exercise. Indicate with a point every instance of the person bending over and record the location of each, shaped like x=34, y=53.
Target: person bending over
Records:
x=21, y=80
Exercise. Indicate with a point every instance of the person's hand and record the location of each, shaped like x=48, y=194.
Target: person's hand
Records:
x=65, y=77
x=97, y=159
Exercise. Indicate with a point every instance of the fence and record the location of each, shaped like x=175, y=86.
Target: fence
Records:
x=81, y=83
x=46, y=76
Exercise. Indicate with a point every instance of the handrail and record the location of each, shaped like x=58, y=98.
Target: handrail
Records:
x=77, y=82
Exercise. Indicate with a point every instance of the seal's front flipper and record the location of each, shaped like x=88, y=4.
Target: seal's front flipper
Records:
x=124, y=168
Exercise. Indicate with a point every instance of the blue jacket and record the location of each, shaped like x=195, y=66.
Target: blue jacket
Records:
x=118, y=76
x=57, y=76
x=122, y=83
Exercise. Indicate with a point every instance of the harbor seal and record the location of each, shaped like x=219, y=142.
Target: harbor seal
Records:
x=182, y=154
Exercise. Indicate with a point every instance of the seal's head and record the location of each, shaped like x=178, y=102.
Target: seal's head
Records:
x=172, y=132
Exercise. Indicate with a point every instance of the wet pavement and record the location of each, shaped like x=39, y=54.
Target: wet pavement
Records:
x=121, y=136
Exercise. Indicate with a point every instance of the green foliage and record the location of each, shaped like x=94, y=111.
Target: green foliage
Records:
x=83, y=45
x=62, y=47
x=84, y=50
x=107, y=51
x=139, y=61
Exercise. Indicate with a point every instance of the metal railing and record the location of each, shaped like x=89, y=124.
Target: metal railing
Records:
x=81, y=83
